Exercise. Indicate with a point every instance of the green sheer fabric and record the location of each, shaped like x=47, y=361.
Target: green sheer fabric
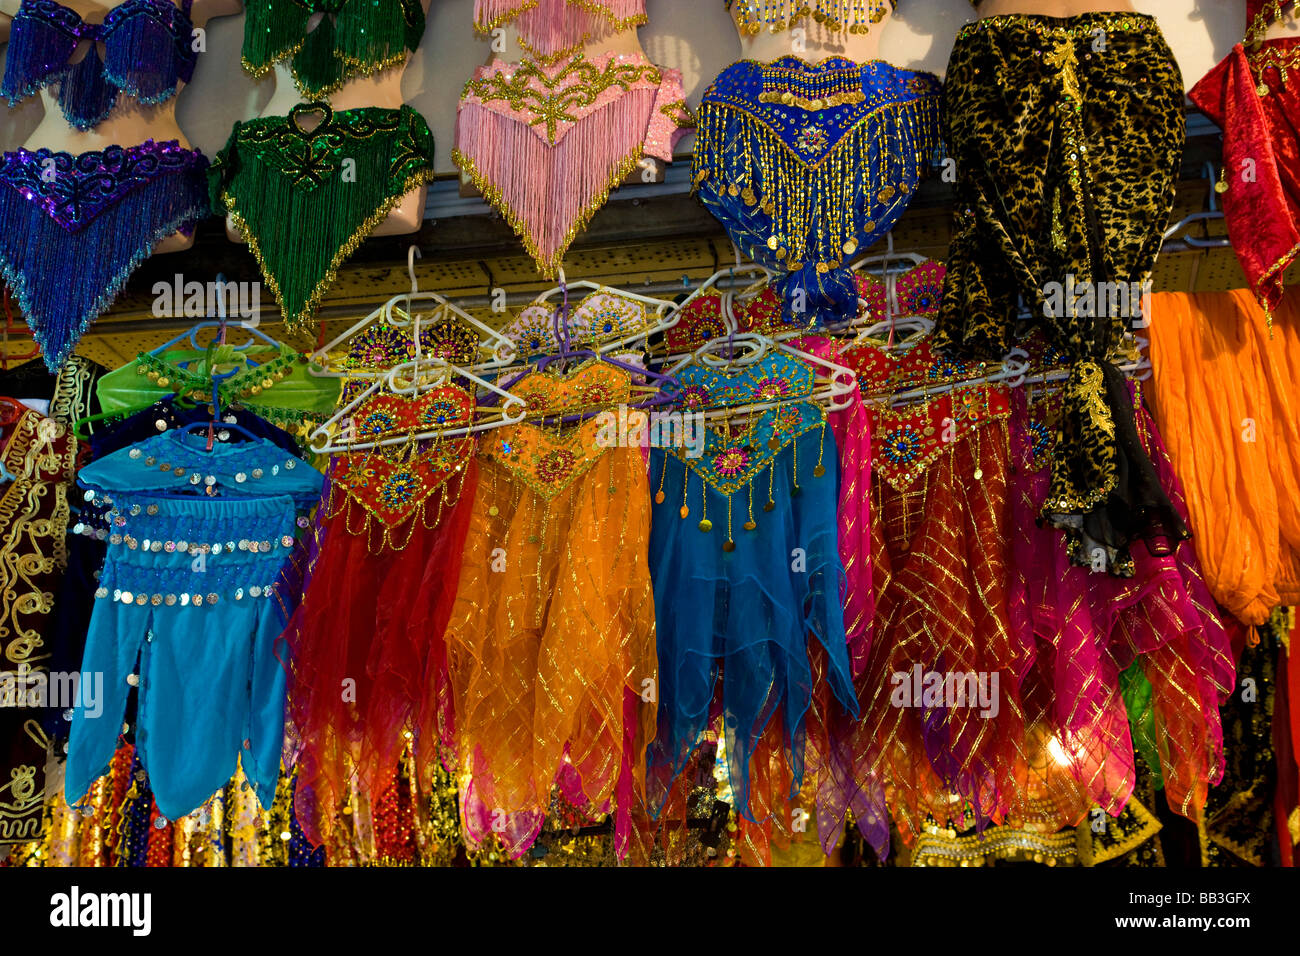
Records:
x=1137, y=692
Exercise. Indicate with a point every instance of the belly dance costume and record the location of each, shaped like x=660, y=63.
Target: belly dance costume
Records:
x=90, y=527
x=767, y=649
x=941, y=567
x=805, y=164
x=69, y=241
x=352, y=38
x=552, y=639
x=335, y=182
x=74, y=227
x=187, y=622
x=584, y=124
x=1254, y=98
x=148, y=54
x=1067, y=163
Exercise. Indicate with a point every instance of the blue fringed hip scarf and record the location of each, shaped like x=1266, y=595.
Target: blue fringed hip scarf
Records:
x=74, y=228
x=806, y=164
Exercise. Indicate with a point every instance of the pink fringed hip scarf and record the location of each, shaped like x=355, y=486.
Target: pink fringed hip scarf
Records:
x=545, y=145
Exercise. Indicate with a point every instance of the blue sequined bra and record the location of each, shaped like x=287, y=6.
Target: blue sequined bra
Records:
x=148, y=53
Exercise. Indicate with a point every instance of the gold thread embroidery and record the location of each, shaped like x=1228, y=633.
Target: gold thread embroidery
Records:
x=556, y=103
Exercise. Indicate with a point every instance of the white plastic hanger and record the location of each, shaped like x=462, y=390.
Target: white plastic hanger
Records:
x=665, y=310
x=496, y=344
x=838, y=382
x=1012, y=372
x=657, y=303
x=414, y=374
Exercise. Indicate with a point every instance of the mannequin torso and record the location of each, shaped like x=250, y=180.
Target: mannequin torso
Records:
x=604, y=41
x=130, y=122
x=382, y=89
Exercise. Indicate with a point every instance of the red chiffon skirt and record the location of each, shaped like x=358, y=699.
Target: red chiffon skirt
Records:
x=369, y=663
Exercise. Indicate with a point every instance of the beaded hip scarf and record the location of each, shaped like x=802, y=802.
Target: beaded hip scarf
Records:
x=74, y=227
x=333, y=184
x=545, y=145
x=805, y=164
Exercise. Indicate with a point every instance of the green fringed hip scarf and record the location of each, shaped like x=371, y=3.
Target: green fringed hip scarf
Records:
x=353, y=38
x=304, y=200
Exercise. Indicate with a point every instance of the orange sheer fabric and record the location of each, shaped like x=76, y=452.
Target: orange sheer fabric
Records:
x=554, y=619
x=1227, y=399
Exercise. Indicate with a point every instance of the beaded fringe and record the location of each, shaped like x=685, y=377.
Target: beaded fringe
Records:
x=273, y=218
x=851, y=16
x=356, y=41
x=550, y=30
x=807, y=220
x=548, y=193
x=142, y=61
x=63, y=279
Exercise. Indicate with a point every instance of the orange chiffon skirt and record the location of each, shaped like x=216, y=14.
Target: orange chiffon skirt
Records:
x=1227, y=400
x=551, y=644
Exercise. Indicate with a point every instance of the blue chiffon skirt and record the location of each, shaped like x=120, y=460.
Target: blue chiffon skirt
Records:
x=745, y=616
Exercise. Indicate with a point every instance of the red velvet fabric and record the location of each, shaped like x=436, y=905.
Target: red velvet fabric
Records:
x=1261, y=159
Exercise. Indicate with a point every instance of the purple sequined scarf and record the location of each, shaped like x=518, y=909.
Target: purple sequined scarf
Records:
x=73, y=228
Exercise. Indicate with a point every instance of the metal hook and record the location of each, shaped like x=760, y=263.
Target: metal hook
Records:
x=561, y=314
